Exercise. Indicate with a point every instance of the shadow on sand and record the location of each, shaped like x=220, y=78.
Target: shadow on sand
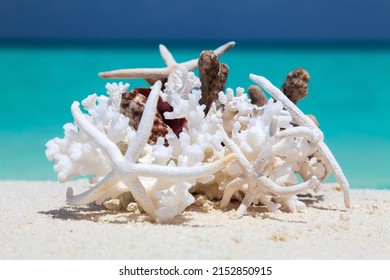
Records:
x=98, y=214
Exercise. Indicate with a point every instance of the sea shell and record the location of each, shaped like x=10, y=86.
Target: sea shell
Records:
x=132, y=106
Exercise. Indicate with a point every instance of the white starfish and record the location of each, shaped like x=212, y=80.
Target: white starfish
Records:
x=307, y=129
x=259, y=186
x=154, y=74
x=125, y=167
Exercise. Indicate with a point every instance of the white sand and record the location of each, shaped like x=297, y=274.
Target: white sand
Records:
x=37, y=224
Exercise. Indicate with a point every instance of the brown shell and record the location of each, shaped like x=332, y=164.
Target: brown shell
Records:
x=132, y=106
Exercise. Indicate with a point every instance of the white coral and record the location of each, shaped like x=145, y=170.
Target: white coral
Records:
x=75, y=154
x=200, y=136
x=90, y=148
x=198, y=141
x=247, y=127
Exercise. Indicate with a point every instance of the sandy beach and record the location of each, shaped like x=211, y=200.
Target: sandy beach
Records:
x=36, y=223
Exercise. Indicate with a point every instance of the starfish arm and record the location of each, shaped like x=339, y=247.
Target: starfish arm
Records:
x=140, y=195
x=270, y=187
x=337, y=171
x=154, y=74
x=94, y=193
x=145, y=126
x=230, y=189
x=181, y=173
x=167, y=56
x=298, y=131
x=271, y=206
x=313, y=136
x=144, y=73
x=295, y=112
x=303, y=120
x=241, y=159
x=96, y=135
x=190, y=65
x=266, y=150
x=249, y=197
x=224, y=48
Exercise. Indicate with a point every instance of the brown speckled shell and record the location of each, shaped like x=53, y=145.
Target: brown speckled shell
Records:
x=132, y=106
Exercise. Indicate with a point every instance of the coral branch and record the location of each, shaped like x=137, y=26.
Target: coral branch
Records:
x=295, y=85
x=257, y=96
x=213, y=77
x=97, y=136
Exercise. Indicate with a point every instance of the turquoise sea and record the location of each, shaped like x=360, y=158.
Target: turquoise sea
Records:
x=349, y=93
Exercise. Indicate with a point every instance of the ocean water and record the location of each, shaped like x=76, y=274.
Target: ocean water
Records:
x=348, y=93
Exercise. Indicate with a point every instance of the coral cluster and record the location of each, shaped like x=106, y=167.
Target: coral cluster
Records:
x=158, y=146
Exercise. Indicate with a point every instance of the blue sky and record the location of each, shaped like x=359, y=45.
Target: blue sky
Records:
x=200, y=19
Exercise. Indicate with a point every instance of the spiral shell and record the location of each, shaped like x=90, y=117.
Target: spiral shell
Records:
x=132, y=106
